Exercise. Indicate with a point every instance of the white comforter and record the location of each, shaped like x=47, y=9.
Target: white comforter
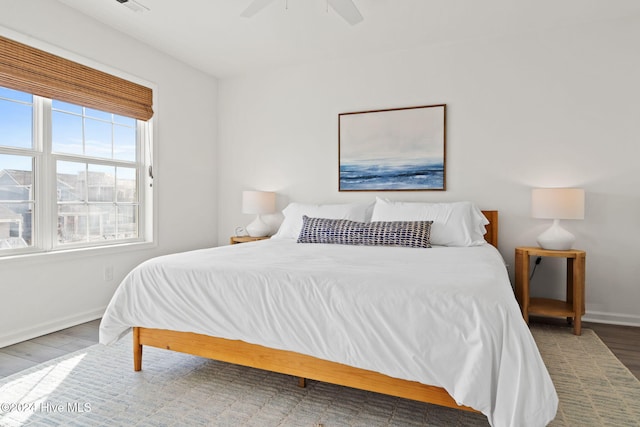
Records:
x=440, y=316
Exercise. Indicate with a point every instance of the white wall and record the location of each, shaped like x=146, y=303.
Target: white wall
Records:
x=558, y=108
x=45, y=293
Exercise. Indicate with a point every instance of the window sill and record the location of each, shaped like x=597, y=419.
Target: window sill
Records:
x=76, y=253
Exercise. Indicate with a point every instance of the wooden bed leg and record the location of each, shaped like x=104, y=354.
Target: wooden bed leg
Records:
x=137, y=350
x=302, y=382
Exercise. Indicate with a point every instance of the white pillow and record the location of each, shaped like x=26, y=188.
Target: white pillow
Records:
x=454, y=224
x=292, y=223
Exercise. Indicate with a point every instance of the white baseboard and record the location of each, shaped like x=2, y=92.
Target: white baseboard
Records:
x=611, y=318
x=48, y=327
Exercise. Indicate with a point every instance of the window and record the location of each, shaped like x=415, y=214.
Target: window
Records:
x=17, y=158
x=74, y=146
x=70, y=176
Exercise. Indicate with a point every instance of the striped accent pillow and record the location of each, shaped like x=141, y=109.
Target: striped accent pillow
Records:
x=413, y=234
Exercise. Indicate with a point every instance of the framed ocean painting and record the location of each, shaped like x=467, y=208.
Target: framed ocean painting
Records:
x=399, y=149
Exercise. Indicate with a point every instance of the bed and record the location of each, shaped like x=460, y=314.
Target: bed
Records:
x=328, y=313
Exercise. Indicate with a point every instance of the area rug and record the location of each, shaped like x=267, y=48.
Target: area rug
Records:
x=97, y=387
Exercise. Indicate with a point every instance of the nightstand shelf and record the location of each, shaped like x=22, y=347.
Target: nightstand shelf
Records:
x=550, y=307
x=573, y=307
x=234, y=240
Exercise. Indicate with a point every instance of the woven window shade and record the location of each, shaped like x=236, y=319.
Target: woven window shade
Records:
x=34, y=71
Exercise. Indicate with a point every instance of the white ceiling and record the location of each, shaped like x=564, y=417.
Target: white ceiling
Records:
x=212, y=36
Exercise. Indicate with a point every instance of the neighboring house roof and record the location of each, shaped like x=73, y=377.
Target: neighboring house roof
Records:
x=19, y=177
x=16, y=181
x=6, y=213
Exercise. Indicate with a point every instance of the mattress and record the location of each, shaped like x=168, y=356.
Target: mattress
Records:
x=444, y=316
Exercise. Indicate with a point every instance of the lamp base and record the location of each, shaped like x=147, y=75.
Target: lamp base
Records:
x=258, y=228
x=556, y=238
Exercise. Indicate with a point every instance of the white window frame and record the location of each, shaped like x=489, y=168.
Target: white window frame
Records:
x=44, y=181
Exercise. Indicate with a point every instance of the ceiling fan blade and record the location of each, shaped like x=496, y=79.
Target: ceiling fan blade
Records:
x=255, y=7
x=347, y=10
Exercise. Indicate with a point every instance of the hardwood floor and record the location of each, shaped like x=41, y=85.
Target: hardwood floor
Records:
x=624, y=342
x=23, y=355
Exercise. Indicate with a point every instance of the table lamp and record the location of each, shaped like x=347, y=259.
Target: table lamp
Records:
x=258, y=202
x=557, y=204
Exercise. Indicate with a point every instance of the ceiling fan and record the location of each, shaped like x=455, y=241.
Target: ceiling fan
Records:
x=344, y=8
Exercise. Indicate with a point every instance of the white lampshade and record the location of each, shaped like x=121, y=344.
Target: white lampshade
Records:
x=258, y=202
x=557, y=204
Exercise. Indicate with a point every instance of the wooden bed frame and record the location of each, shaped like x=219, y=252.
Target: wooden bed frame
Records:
x=296, y=364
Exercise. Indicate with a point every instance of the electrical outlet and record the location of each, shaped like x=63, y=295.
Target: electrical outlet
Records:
x=108, y=273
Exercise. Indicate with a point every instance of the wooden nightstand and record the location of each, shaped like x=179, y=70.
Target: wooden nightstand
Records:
x=573, y=307
x=244, y=239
